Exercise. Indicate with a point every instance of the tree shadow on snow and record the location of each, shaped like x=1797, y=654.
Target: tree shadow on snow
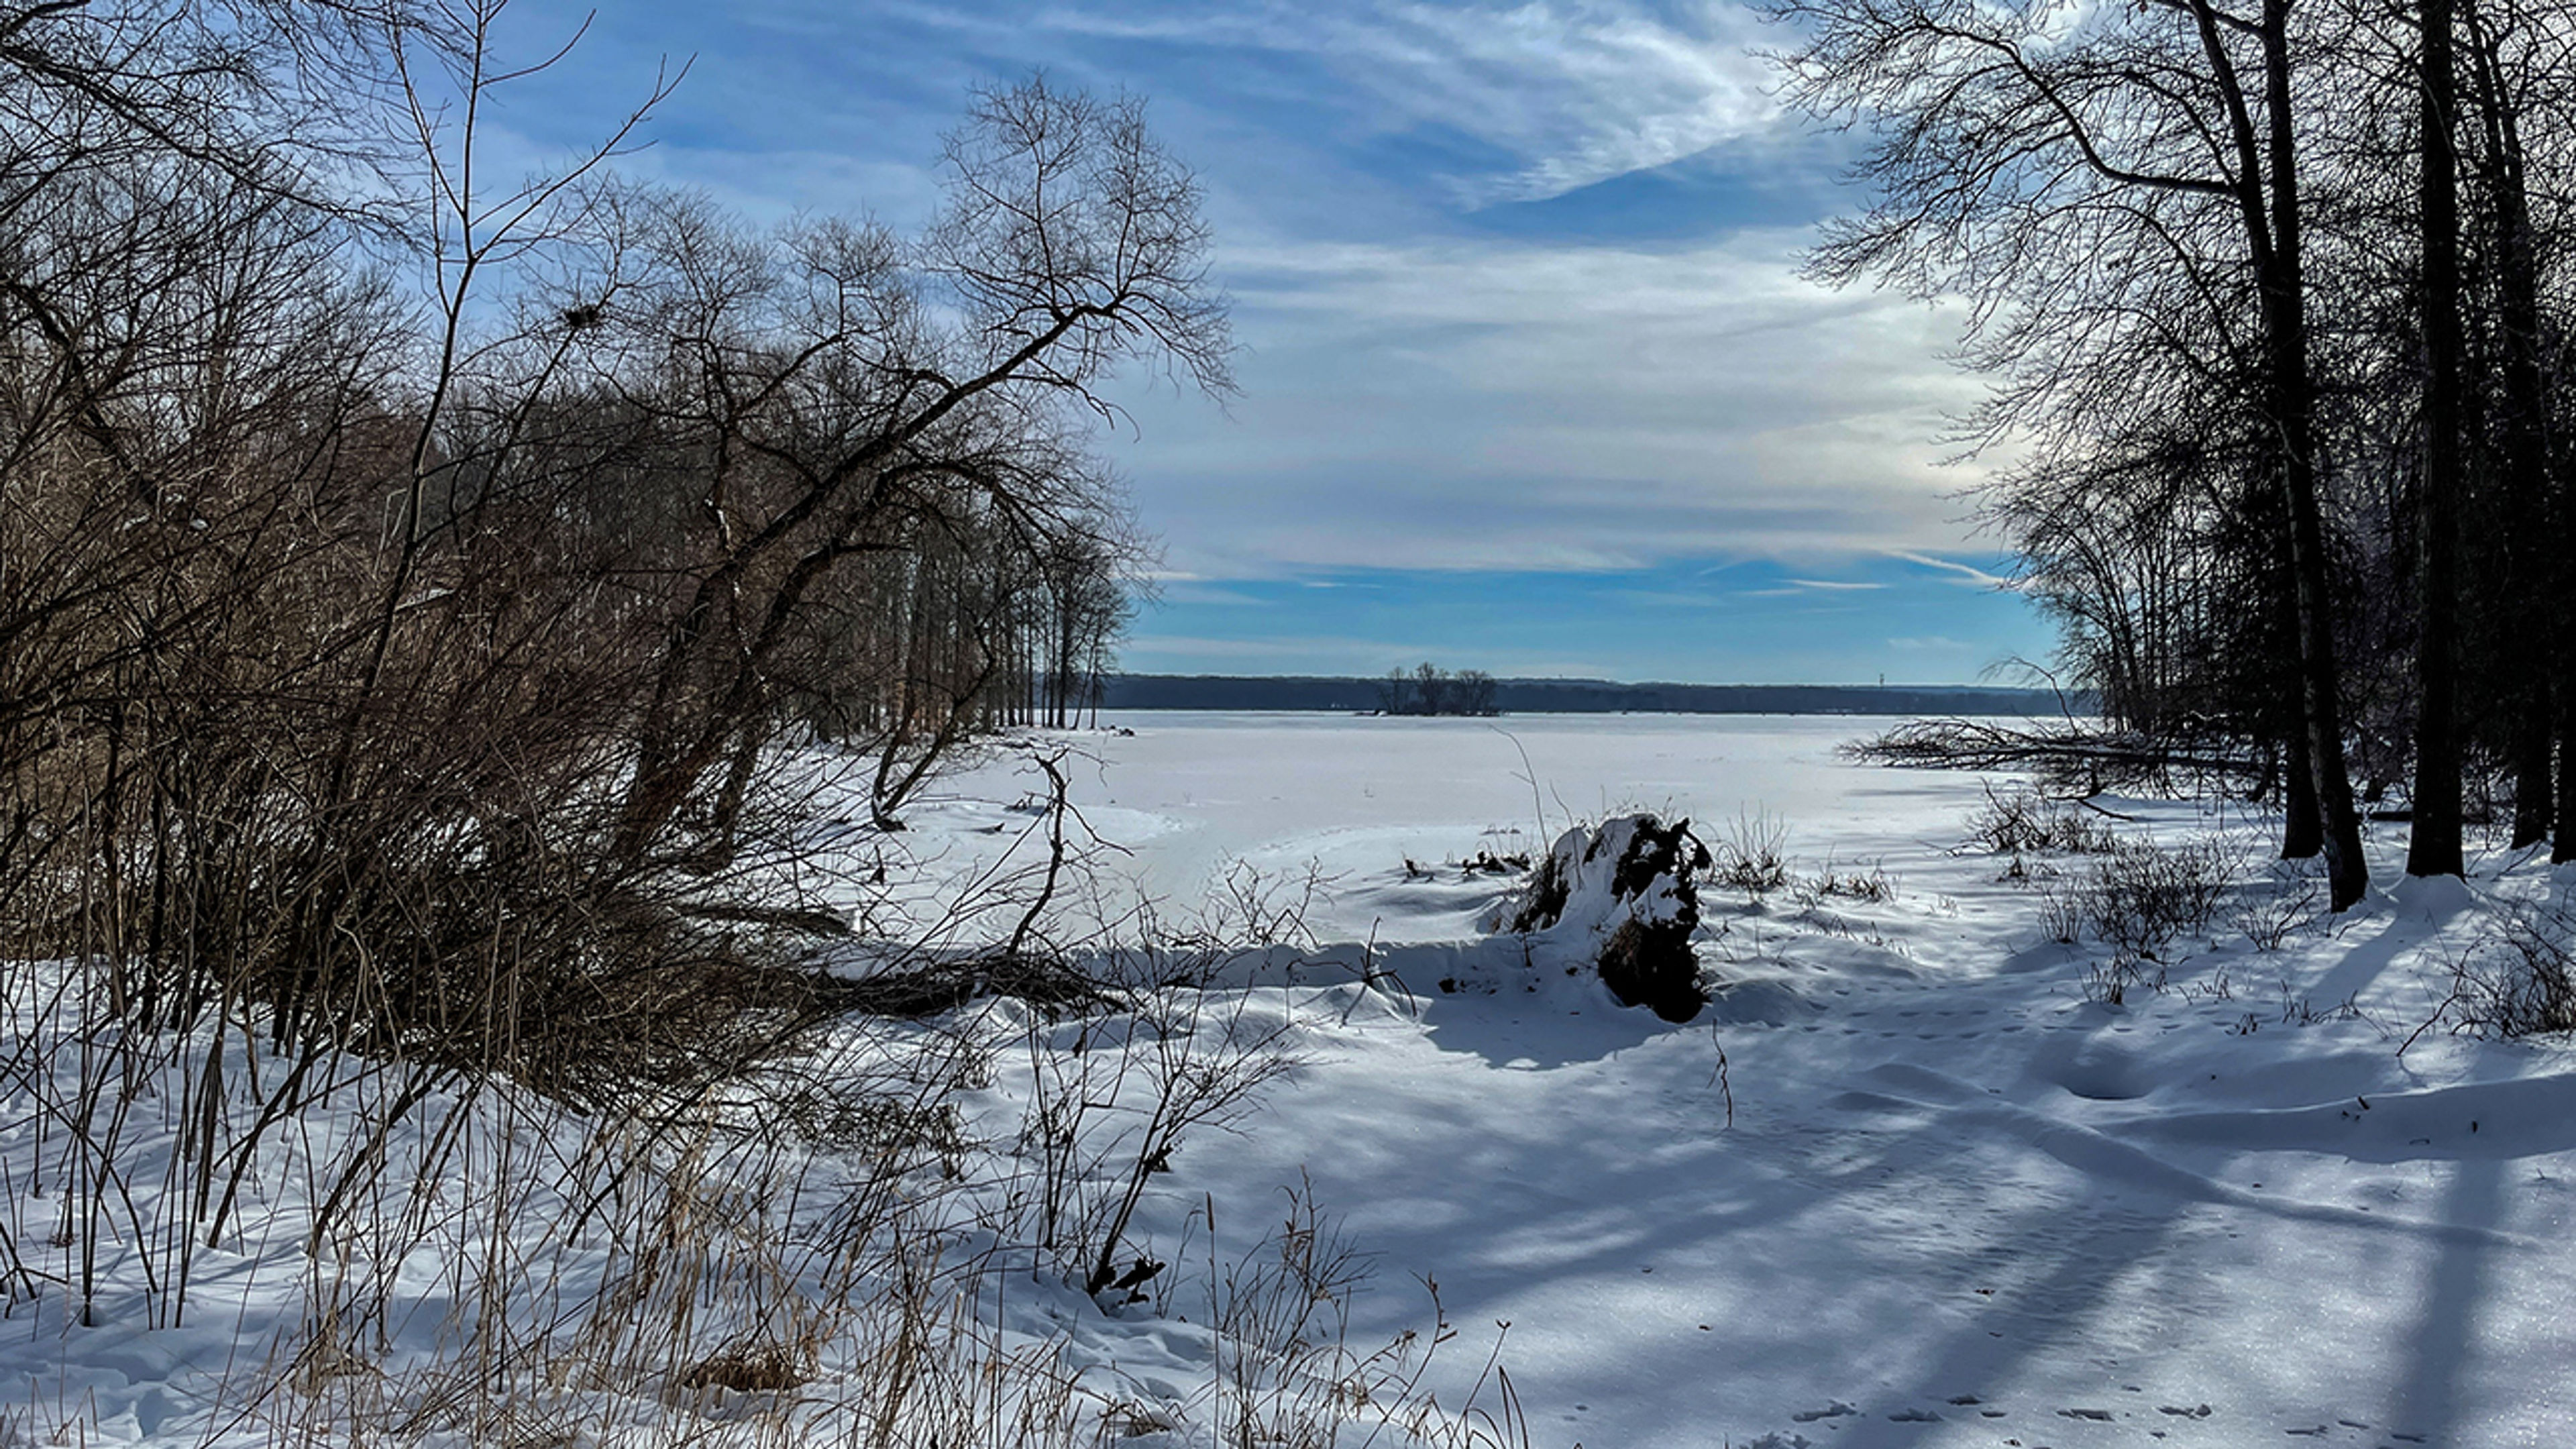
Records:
x=1522, y=1031
x=2455, y=1284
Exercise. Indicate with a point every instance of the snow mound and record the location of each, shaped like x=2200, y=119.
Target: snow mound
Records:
x=1621, y=896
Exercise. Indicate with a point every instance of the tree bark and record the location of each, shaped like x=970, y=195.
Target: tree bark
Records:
x=2433, y=838
x=2303, y=828
x=2534, y=560
x=2283, y=288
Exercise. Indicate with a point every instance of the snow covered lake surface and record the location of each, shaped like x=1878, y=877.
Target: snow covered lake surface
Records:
x=1912, y=1178
x=1960, y=1202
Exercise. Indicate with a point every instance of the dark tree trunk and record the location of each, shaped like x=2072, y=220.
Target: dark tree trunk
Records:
x=2533, y=804
x=2534, y=561
x=2562, y=844
x=2294, y=414
x=2303, y=828
x=2433, y=840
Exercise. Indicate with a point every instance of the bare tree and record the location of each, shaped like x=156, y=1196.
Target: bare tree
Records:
x=412, y=663
x=1070, y=244
x=2161, y=140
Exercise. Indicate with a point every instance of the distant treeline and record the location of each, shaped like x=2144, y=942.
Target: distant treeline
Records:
x=1429, y=689
x=1585, y=696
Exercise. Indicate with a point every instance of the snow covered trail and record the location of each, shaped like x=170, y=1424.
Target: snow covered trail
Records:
x=1960, y=1203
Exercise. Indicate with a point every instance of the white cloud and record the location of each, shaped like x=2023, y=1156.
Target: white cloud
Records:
x=1581, y=91
x=1570, y=92
x=1512, y=405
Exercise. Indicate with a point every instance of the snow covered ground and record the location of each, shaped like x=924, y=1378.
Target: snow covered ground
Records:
x=1960, y=1202
x=1913, y=1178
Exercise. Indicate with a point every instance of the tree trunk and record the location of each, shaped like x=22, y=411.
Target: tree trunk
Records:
x=2534, y=562
x=2286, y=333
x=2533, y=804
x=2303, y=829
x=2562, y=845
x=2433, y=839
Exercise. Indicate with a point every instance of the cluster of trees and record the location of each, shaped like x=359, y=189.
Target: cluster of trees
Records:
x=404, y=569
x=2275, y=300
x=1430, y=689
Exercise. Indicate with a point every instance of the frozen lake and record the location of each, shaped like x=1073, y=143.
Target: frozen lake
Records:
x=1354, y=797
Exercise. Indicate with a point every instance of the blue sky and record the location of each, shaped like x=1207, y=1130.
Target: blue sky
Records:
x=1529, y=381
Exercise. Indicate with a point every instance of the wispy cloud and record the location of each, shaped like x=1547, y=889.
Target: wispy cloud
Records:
x=1497, y=404
x=1563, y=93
x=1965, y=574
x=1192, y=592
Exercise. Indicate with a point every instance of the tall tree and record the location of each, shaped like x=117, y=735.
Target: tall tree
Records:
x=2015, y=146
x=2515, y=64
x=2433, y=840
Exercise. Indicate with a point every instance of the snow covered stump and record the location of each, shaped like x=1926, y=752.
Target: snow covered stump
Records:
x=1621, y=896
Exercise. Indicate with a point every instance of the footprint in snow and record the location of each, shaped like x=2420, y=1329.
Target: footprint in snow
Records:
x=2102, y=1416
x=2202, y=1412
x=1915, y=1416
x=1833, y=1409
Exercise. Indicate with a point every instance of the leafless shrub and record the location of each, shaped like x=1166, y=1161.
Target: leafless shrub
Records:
x=2297, y=1010
x=1751, y=858
x=2269, y=918
x=2517, y=979
x=2022, y=821
x=2140, y=897
x=2061, y=917
x=1250, y=908
x=2110, y=982
x=394, y=724
x=1112, y=1106
x=1873, y=886
x=2217, y=987
x=451, y=741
